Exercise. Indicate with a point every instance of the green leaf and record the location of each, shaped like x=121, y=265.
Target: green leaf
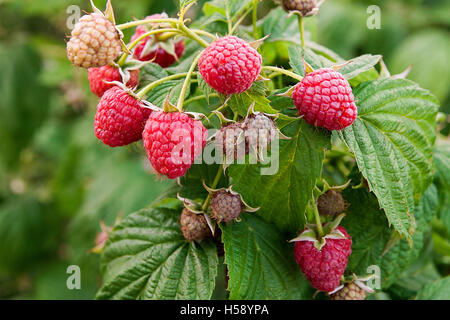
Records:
x=149, y=73
x=281, y=27
x=148, y=258
x=260, y=262
x=359, y=65
x=392, y=141
x=241, y=102
x=442, y=180
x=22, y=240
x=296, y=60
x=425, y=50
x=438, y=290
x=368, y=226
x=283, y=196
x=25, y=101
x=204, y=87
x=158, y=95
x=184, y=3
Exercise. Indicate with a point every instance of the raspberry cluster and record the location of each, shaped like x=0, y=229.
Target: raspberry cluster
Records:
x=350, y=291
x=325, y=99
x=305, y=7
x=151, y=48
x=194, y=226
x=95, y=42
x=324, y=268
x=225, y=206
x=173, y=140
x=99, y=78
x=230, y=65
x=120, y=118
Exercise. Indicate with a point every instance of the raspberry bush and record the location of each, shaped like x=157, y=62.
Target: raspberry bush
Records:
x=334, y=155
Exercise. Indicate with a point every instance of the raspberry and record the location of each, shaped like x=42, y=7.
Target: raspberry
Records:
x=232, y=139
x=95, y=42
x=120, y=118
x=260, y=130
x=304, y=6
x=230, y=65
x=225, y=206
x=324, y=268
x=194, y=226
x=326, y=100
x=150, y=48
x=99, y=76
x=173, y=140
x=331, y=203
x=350, y=291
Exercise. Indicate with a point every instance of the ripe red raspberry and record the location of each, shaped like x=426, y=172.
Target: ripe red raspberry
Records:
x=324, y=268
x=230, y=65
x=173, y=140
x=99, y=76
x=225, y=206
x=194, y=226
x=150, y=48
x=350, y=291
x=120, y=118
x=95, y=42
x=326, y=100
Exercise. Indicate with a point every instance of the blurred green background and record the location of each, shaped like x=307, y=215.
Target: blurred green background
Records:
x=57, y=182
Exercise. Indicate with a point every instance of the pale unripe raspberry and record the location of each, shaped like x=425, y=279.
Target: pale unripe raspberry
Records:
x=260, y=130
x=94, y=42
x=225, y=206
x=194, y=226
x=231, y=139
x=304, y=6
x=350, y=291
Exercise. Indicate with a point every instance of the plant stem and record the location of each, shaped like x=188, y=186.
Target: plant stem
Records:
x=223, y=106
x=156, y=83
x=142, y=37
x=191, y=34
x=204, y=33
x=238, y=22
x=187, y=82
x=213, y=95
x=317, y=217
x=286, y=72
x=214, y=185
x=302, y=30
x=255, y=18
x=145, y=21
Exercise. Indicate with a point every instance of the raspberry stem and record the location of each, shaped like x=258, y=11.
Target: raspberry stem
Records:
x=191, y=34
x=187, y=82
x=156, y=83
x=302, y=31
x=317, y=217
x=285, y=72
x=145, y=35
x=213, y=186
x=145, y=21
x=201, y=97
x=238, y=22
x=255, y=18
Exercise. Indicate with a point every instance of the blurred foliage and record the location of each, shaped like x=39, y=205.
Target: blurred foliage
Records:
x=57, y=182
